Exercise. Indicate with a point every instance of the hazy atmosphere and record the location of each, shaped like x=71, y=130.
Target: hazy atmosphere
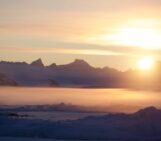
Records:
x=80, y=70
x=62, y=30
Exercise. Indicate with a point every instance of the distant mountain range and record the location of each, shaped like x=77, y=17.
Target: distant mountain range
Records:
x=76, y=74
x=4, y=80
x=68, y=107
x=144, y=125
x=61, y=107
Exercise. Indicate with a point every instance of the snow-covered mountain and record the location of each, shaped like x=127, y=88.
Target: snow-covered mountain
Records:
x=37, y=63
x=4, y=80
x=144, y=125
x=28, y=75
x=78, y=73
x=61, y=107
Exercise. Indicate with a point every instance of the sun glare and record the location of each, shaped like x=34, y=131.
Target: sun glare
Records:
x=148, y=38
x=146, y=63
x=139, y=33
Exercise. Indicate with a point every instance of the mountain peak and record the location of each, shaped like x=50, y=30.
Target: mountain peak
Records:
x=37, y=63
x=152, y=108
x=53, y=65
x=149, y=111
x=80, y=62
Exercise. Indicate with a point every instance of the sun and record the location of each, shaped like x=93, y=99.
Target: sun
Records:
x=146, y=63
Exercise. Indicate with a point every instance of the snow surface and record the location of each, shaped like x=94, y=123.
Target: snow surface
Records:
x=58, y=116
x=30, y=139
x=144, y=125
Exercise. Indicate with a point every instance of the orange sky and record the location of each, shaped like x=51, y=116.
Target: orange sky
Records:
x=104, y=32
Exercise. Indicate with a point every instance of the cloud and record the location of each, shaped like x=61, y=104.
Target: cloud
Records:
x=49, y=45
x=60, y=51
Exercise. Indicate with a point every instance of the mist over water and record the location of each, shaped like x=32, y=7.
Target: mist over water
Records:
x=113, y=98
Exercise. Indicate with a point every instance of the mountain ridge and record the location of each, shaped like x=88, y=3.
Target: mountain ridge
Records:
x=78, y=73
x=37, y=63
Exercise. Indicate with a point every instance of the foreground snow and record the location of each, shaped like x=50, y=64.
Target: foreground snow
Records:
x=29, y=139
x=23, y=139
x=144, y=125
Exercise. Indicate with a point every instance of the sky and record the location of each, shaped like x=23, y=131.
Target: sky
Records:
x=115, y=33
